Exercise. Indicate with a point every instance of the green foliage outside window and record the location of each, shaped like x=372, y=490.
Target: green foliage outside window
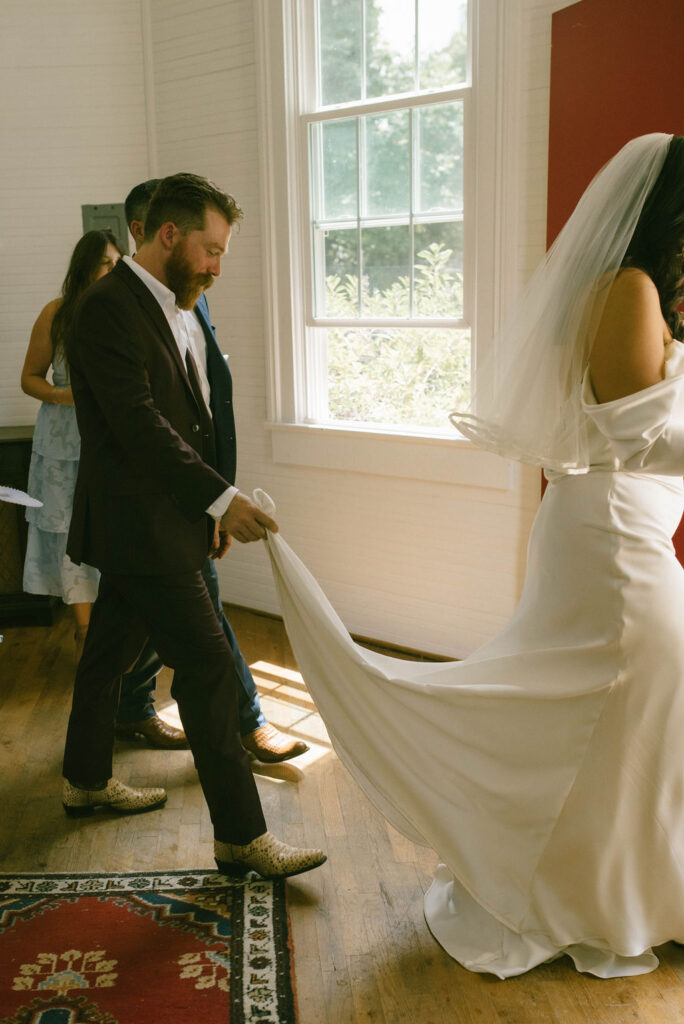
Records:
x=409, y=376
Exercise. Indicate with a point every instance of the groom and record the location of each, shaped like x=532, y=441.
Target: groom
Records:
x=148, y=508
x=136, y=715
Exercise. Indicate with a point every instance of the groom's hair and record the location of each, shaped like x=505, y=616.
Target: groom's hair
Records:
x=183, y=199
x=138, y=200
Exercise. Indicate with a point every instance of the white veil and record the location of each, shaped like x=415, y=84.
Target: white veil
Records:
x=526, y=399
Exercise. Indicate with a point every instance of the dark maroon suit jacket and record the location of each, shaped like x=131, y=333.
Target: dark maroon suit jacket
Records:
x=146, y=473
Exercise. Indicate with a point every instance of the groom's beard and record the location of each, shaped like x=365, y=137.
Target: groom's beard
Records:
x=185, y=284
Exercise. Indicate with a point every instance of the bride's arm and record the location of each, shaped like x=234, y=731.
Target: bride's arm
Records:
x=629, y=349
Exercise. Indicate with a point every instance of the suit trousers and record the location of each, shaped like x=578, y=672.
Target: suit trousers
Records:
x=176, y=612
x=136, y=701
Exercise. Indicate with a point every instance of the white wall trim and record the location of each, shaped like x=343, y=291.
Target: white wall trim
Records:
x=277, y=75
x=148, y=75
x=268, y=48
x=440, y=460
x=509, y=157
x=497, y=171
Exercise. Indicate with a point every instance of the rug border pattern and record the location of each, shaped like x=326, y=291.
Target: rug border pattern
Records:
x=85, y=883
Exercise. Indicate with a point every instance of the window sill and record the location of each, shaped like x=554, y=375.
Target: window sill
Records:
x=437, y=459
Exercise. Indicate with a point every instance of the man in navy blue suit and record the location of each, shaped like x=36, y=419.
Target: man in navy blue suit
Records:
x=136, y=714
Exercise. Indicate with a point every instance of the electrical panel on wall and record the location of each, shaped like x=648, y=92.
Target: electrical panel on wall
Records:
x=106, y=217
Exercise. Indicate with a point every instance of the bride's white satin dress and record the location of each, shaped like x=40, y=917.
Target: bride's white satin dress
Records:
x=547, y=769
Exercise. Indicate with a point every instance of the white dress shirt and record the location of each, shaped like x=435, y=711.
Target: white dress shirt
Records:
x=188, y=335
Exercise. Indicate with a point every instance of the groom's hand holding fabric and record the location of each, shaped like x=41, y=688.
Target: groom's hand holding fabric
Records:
x=221, y=542
x=245, y=521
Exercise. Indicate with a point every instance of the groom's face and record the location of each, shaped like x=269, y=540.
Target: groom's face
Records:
x=195, y=259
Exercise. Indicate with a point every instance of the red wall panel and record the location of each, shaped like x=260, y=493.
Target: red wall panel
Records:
x=616, y=72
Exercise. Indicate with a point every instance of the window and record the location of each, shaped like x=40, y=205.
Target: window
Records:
x=384, y=120
x=387, y=182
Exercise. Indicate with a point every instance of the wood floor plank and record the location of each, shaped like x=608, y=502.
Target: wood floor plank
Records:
x=366, y=998
x=339, y=997
x=311, y=994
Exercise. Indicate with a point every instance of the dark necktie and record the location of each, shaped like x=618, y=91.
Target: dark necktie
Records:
x=191, y=367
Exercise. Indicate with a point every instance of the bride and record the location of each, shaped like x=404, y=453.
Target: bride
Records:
x=547, y=768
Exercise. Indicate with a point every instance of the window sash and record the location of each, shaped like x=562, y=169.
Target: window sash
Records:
x=312, y=113
x=315, y=35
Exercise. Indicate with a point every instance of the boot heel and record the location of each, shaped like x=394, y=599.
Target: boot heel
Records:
x=231, y=869
x=78, y=812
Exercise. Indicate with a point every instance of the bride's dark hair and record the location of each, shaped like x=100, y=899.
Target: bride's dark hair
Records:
x=657, y=245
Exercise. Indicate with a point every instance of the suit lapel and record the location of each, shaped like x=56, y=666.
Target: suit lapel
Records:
x=221, y=384
x=155, y=313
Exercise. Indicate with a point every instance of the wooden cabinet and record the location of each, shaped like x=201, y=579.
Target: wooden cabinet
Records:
x=15, y=605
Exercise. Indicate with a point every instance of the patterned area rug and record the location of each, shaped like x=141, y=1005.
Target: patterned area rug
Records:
x=186, y=947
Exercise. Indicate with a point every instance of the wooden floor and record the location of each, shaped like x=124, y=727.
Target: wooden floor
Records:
x=362, y=951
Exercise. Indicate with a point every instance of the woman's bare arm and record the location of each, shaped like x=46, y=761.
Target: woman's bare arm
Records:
x=38, y=359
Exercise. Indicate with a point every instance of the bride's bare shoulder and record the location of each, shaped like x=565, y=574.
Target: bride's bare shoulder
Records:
x=628, y=353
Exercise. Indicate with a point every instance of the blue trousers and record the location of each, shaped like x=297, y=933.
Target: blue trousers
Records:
x=137, y=686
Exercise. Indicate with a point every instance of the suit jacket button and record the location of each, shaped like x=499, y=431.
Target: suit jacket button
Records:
x=195, y=428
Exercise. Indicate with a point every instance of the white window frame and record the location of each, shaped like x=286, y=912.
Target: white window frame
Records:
x=491, y=168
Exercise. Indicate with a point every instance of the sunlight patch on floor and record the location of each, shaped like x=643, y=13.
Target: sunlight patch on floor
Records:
x=278, y=673
x=287, y=705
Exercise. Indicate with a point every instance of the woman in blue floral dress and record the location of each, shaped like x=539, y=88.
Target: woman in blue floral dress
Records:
x=56, y=442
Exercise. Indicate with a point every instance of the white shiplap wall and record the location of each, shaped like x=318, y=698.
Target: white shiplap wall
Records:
x=72, y=132
x=432, y=566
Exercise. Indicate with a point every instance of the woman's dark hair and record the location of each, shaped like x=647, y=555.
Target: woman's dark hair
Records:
x=85, y=259
x=657, y=245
